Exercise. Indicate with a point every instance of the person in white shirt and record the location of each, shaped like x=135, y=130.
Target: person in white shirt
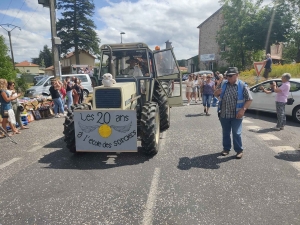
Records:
x=189, y=88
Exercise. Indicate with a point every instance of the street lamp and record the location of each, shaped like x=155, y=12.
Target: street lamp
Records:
x=121, y=36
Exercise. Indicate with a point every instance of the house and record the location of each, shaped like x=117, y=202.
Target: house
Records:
x=209, y=49
x=68, y=61
x=28, y=67
x=192, y=64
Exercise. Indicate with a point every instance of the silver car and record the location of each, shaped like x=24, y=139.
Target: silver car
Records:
x=42, y=87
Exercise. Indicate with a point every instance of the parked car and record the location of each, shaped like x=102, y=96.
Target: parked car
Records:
x=38, y=78
x=185, y=76
x=266, y=102
x=42, y=87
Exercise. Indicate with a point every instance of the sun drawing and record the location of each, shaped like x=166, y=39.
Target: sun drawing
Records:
x=105, y=131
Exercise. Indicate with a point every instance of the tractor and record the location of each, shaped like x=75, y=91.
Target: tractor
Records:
x=135, y=107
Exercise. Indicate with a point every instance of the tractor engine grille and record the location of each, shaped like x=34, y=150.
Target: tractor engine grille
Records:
x=108, y=98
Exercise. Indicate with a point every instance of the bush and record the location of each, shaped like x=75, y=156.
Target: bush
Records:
x=277, y=71
x=21, y=84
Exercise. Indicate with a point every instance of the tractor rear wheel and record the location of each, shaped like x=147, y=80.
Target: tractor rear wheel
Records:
x=160, y=97
x=69, y=128
x=150, y=128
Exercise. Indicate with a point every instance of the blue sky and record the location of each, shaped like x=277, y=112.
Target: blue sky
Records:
x=150, y=21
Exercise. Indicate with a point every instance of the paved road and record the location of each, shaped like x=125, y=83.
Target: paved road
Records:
x=187, y=182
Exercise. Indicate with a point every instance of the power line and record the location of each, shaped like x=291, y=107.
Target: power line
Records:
x=18, y=11
x=9, y=35
x=25, y=25
x=5, y=11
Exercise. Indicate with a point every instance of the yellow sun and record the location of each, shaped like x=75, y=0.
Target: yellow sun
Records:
x=104, y=131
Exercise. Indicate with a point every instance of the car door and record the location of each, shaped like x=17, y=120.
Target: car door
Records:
x=167, y=70
x=261, y=99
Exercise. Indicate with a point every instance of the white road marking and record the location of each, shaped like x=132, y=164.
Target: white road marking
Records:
x=254, y=128
x=2, y=166
x=148, y=213
x=247, y=121
x=268, y=137
x=111, y=159
x=35, y=148
x=288, y=150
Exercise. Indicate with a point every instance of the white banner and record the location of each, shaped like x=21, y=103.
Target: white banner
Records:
x=207, y=57
x=106, y=131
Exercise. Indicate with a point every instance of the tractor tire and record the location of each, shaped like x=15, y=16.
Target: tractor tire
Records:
x=69, y=128
x=161, y=99
x=150, y=128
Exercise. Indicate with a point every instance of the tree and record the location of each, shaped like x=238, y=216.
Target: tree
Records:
x=6, y=67
x=45, y=58
x=250, y=28
x=76, y=28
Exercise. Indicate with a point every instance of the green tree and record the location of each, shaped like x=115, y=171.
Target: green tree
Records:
x=6, y=67
x=250, y=28
x=76, y=28
x=45, y=58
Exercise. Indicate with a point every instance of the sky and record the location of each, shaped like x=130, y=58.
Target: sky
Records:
x=150, y=21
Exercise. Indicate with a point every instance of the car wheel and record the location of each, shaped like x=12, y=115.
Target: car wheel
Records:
x=296, y=113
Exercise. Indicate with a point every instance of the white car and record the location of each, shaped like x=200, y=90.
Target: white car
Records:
x=266, y=102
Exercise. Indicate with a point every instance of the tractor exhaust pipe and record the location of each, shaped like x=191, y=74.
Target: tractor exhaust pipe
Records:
x=112, y=66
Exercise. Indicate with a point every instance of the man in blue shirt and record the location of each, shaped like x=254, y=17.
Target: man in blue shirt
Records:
x=268, y=66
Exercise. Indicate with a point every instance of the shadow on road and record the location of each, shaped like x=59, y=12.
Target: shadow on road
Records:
x=291, y=156
x=194, y=115
x=210, y=161
x=63, y=159
x=269, y=117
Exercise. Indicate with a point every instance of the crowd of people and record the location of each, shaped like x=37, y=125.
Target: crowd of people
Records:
x=10, y=108
x=201, y=87
x=88, y=70
x=69, y=92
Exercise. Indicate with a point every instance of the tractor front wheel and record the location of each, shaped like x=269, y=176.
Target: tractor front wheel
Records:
x=150, y=128
x=69, y=128
x=160, y=97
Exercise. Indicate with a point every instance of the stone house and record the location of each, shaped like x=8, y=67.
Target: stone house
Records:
x=209, y=50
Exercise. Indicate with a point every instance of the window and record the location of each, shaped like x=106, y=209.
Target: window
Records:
x=27, y=71
x=294, y=87
x=211, y=65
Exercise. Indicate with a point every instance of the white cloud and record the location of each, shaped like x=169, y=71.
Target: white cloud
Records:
x=150, y=21
x=34, y=34
x=154, y=22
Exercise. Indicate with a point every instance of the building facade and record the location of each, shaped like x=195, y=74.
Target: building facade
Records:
x=28, y=67
x=209, y=49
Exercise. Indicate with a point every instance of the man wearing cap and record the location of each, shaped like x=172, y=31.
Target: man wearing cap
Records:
x=130, y=69
x=235, y=99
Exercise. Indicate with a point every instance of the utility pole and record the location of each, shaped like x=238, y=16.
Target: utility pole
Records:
x=9, y=35
x=55, y=40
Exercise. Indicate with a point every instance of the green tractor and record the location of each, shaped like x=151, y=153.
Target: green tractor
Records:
x=131, y=103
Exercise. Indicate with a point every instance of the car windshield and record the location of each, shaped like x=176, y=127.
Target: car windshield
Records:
x=127, y=63
x=41, y=82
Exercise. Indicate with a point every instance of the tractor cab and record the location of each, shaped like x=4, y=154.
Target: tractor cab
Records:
x=136, y=62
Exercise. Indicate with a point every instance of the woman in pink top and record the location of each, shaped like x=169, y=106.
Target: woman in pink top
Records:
x=282, y=94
